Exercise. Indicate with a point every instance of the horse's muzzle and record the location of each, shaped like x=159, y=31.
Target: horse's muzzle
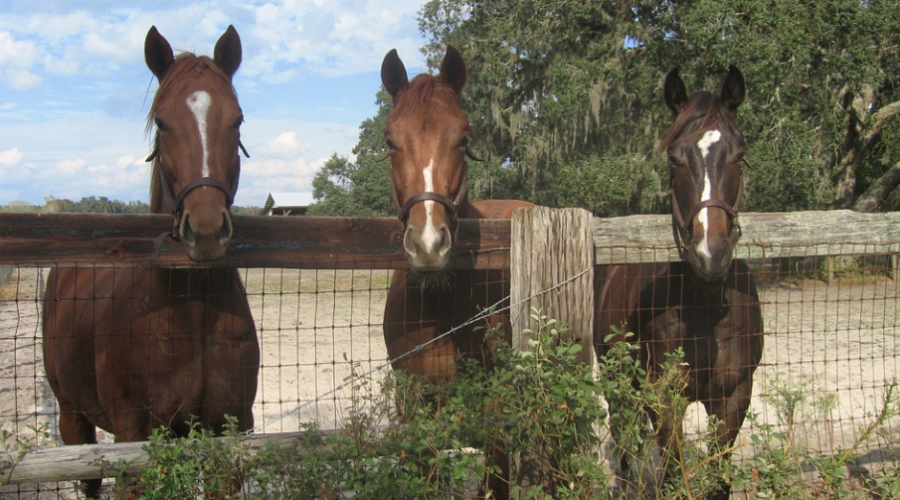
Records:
x=206, y=238
x=428, y=251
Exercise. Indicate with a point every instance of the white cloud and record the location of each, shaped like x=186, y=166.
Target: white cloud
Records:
x=56, y=28
x=16, y=60
x=70, y=167
x=284, y=146
x=127, y=174
x=333, y=38
x=60, y=65
x=282, y=39
x=79, y=130
x=261, y=177
x=10, y=158
x=103, y=46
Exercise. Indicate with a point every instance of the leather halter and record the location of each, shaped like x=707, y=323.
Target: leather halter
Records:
x=175, y=202
x=403, y=212
x=682, y=227
x=451, y=205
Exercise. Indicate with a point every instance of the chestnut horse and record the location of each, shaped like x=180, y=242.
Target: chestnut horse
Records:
x=707, y=304
x=428, y=137
x=132, y=349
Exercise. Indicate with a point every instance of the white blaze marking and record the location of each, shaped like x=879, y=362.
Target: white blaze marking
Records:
x=199, y=103
x=430, y=234
x=703, y=215
x=709, y=138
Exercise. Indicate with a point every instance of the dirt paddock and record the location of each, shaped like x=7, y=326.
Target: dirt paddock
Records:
x=837, y=345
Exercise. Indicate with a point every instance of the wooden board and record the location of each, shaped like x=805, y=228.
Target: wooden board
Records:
x=259, y=241
x=356, y=243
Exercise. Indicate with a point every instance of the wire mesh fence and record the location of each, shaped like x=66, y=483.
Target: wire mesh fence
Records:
x=830, y=351
x=315, y=328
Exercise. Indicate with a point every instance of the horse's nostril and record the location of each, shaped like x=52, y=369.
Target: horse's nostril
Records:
x=187, y=233
x=409, y=242
x=227, y=229
x=446, y=240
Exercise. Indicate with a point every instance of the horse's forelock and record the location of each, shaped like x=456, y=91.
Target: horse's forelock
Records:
x=422, y=91
x=709, y=110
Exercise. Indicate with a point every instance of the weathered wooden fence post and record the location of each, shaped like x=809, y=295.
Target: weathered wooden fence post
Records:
x=552, y=270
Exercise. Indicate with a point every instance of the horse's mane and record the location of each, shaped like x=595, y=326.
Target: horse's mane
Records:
x=706, y=107
x=185, y=64
x=422, y=92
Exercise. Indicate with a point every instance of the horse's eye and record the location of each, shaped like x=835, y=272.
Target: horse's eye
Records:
x=464, y=142
x=390, y=144
x=238, y=122
x=674, y=161
x=160, y=125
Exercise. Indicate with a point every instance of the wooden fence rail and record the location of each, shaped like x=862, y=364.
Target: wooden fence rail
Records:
x=350, y=243
x=78, y=462
x=347, y=243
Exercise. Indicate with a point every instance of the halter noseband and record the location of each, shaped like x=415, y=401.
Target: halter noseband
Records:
x=175, y=202
x=682, y=227
x=403, y=212
x=451, y=205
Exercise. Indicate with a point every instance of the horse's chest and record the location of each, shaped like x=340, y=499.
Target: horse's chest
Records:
x=699, y=331
x=717, y=346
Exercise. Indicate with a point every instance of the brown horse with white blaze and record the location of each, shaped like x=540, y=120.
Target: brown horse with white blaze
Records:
x=428, y=136
x=707, y=304
x=133, y=349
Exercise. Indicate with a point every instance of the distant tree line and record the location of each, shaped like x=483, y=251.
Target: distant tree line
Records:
x=564, y=99
x=95, y=205
x=89, y=204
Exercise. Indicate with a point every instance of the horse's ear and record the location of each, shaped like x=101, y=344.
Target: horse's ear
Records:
x=453, y=69
x=228, y=52
x=734, y=89
x=674, y=91
x=393, y=74
x=157, y=53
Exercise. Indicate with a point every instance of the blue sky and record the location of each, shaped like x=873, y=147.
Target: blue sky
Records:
x=75, y=91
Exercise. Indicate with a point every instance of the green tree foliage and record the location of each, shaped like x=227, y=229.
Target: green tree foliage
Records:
x=564, y=99
x=18, y=206
x=343, y=187
x=561, y=91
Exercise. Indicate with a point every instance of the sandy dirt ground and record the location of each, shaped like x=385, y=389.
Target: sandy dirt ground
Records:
x=838, y=345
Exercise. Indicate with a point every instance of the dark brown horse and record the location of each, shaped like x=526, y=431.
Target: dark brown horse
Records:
x=707, y=304
x=428, y=137
x=132, y=349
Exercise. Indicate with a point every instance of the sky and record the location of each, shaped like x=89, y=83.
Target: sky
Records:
x=75, y=90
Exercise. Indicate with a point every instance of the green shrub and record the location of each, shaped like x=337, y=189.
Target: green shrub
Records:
x=406, y=439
